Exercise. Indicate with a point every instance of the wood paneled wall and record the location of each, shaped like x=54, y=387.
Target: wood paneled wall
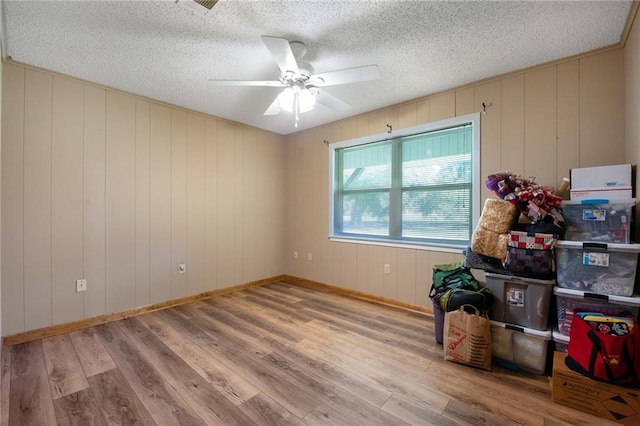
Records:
x=541, y=122
x=632, y=105
x=119, y=190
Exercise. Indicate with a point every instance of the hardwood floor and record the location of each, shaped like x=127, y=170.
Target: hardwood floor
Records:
x=275, y=354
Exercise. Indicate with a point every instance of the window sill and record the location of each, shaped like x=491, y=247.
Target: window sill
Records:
x=455, y=249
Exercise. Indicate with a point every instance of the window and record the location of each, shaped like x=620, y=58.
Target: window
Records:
x=417, y=187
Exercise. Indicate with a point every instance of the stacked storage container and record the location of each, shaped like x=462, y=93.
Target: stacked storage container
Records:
x=597, y=262
x=519, y=326
x=520, y=321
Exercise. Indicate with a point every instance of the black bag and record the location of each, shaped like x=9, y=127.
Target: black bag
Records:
x=454, y=285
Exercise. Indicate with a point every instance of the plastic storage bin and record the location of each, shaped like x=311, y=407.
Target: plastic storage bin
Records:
x=567, y=301
x=520, y=301
x=438, y=322
x=521, y=347
x=597, y=267
x=593, y=221
x=560, y=340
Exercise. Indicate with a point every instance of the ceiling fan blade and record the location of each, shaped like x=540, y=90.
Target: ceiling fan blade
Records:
x=273, y=109
x=268, y=83
x=350, y=75
x=281, y=52
x=332, y=102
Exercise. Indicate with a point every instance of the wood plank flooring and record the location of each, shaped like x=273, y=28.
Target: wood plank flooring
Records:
x=279, y=354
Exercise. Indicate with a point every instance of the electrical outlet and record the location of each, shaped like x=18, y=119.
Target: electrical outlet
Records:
x=295, y=254
x=182, y=268
x=81, y=285
x=309, y=257
x=387, y=268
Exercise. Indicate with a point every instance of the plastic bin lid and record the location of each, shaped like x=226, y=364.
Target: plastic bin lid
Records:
x=559, y=337
x=545, y=335
x=615, y=202
x=577, y=294
x=592, y=245
x=518, y=278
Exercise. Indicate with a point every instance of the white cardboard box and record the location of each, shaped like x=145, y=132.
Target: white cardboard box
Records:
x=620, y=193
x=604, y=177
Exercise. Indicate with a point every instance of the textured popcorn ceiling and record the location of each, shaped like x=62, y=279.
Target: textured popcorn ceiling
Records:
x=163, y=51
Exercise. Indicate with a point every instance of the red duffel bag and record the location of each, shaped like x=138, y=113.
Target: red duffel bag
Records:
x=605, y=347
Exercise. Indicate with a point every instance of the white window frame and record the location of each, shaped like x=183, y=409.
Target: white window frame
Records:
x=473, y=119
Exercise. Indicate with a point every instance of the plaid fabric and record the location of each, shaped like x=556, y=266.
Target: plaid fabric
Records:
x=531, y=254
x=531, y=240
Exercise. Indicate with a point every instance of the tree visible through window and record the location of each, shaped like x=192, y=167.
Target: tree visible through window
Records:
x=417, y=188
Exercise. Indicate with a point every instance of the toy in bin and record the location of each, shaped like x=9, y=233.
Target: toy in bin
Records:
x=606, y=324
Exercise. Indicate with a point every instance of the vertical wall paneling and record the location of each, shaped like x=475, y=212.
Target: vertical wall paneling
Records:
x=407, y=115
x=67, y=172
x=1, y=82
x=196, y=234
x=512, y=126
x=308, y=233
x=490, y=134
x=391, y=118
x=443, y=106
x=390, y=281
x=37, y=199
x=337, y=275
x=143, y=249
x=465, y=101
x=94, y=201
x=362, y=267
x=314, y=211
x=423, y=111
x=540, y=125
x=276, y=228
x=120, y=201
x=326, y=245
x=320, y=188
x=406, y=275
x=211, y=203
x=249, y=208
x=178, y=201
x=292, y=216
x=347, y=260
x=227, y=194
x=632, y=107
x=521, y=132
x=263, y=216
x=602, y=109
x=160, y=202
x=238, y=194
x=568, y=118
x=348, y=129
x=424, y=278
x=13, y=90
x=116, y=189
x=363, y=125
x=377, y=123
x=375, y=282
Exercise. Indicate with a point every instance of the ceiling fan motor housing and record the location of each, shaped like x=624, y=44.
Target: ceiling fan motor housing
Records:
x=298, y=49
x=291, y=78
x=305, y=70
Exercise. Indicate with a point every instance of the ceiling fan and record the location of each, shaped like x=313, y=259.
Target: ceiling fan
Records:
x=302, y=88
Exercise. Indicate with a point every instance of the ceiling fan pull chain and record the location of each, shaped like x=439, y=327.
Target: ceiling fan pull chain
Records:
x=296, y=107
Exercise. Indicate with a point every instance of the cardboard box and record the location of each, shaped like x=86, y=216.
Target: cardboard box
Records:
x=609, y=177
x=621, y=193
x=616, y=403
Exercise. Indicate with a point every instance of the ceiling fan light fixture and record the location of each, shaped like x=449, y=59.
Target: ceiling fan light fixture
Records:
x=287, y=100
